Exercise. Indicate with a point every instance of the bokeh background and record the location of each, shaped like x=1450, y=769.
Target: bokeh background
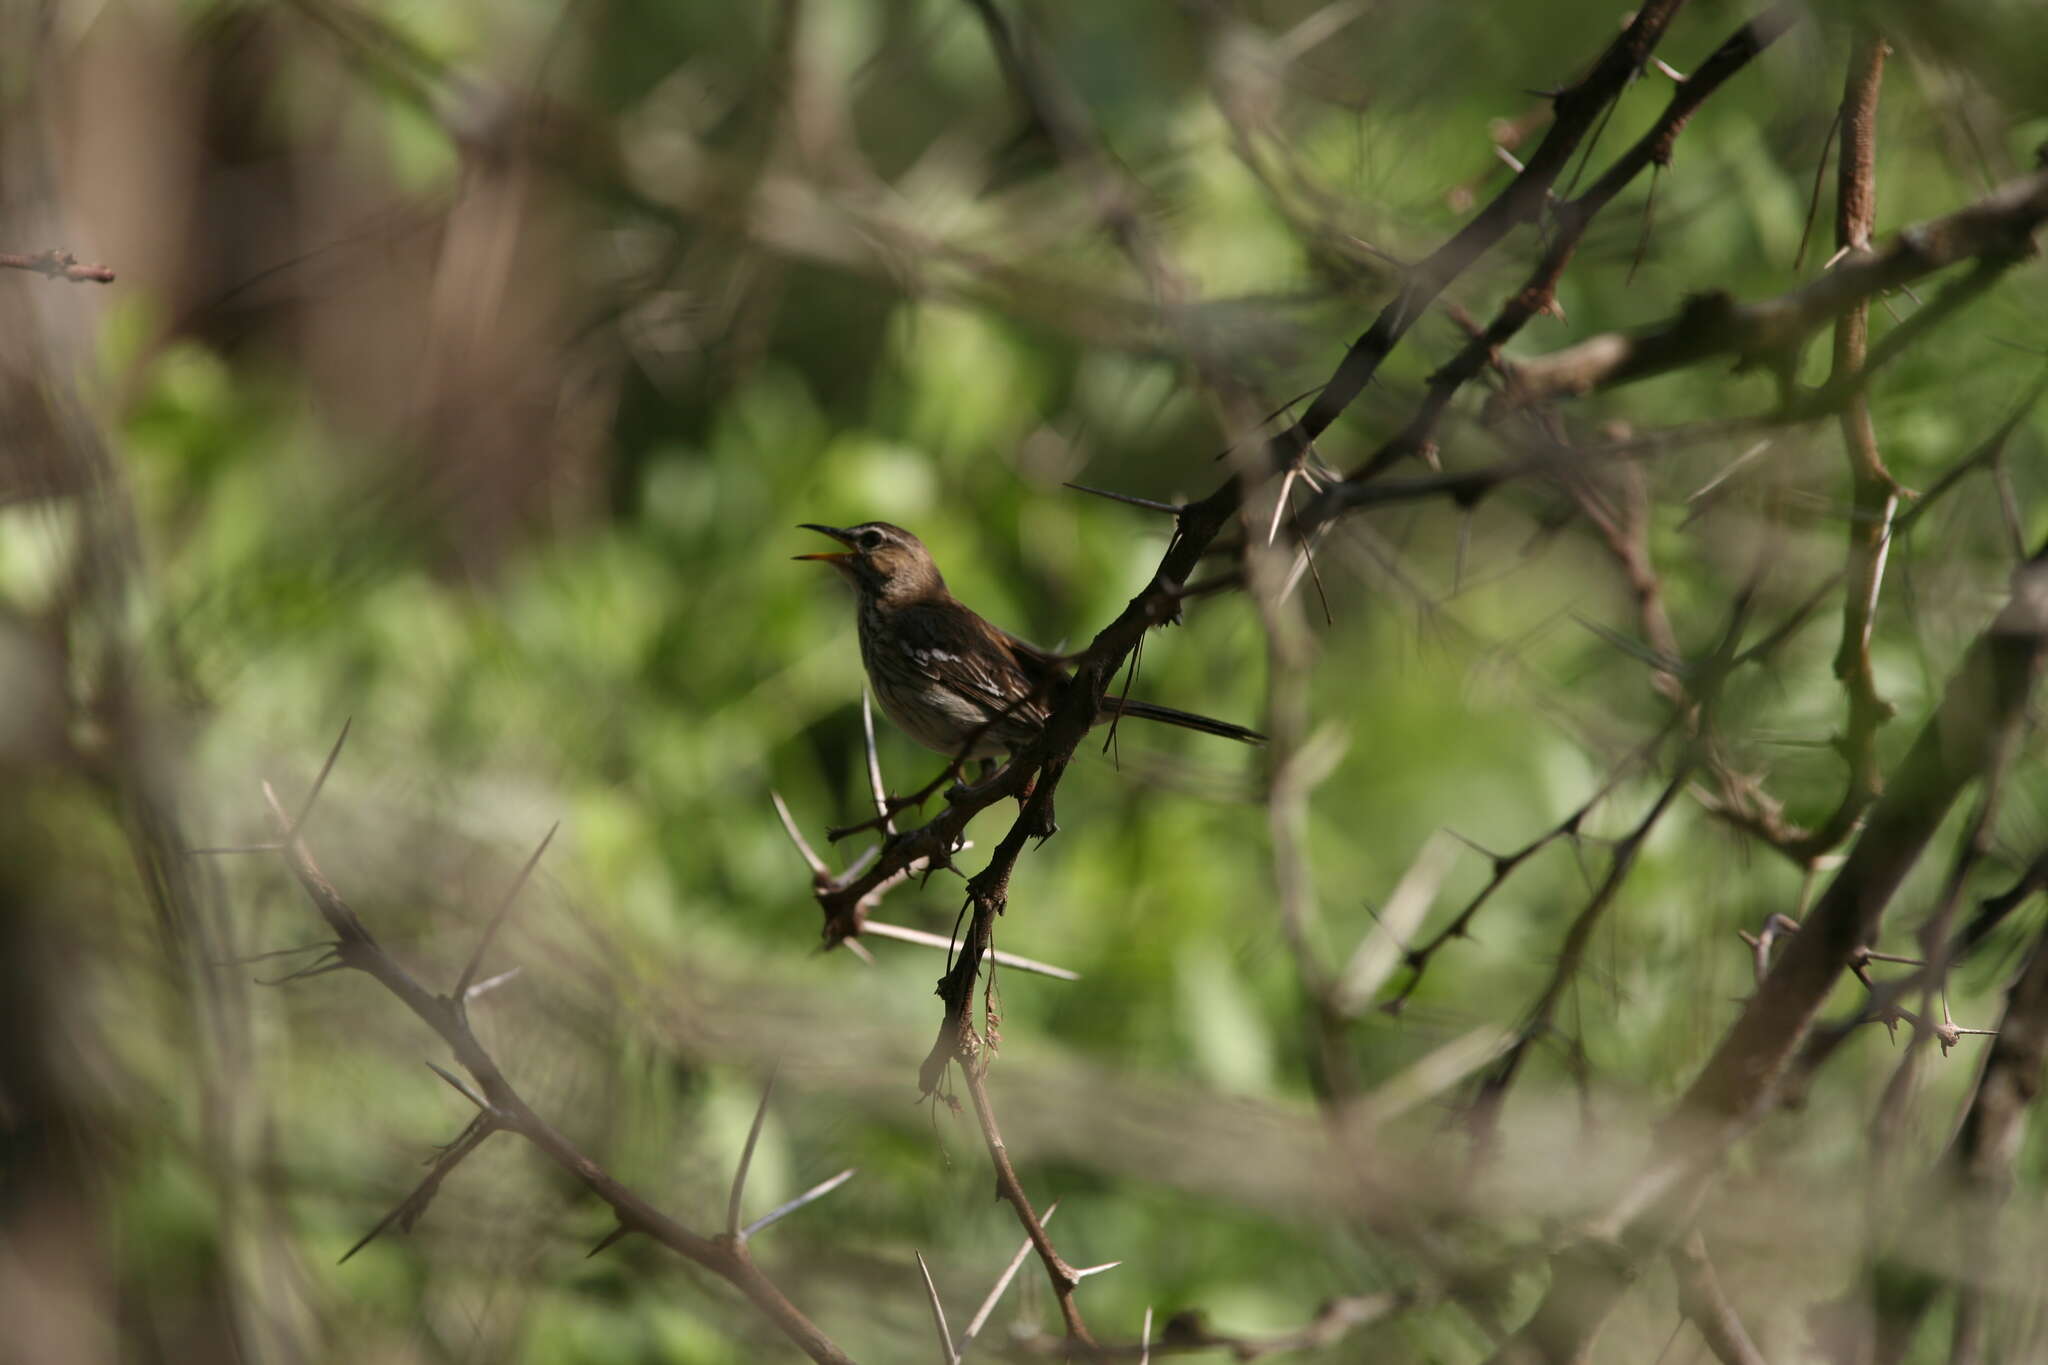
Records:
x=467, y=369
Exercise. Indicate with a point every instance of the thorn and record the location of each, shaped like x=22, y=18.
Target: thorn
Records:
x=273, y=953
x=739, y=1175
x=611, y=1238
x=1634, y=649
x=809, y=1196
x=491, y=983
x=1481, y=849
x=504, y=907
x=875, y=788
x=816, y=864
x=479, y=1101
x=1280, y=504
x=306, y=807
x=930, y=940
x=938, y=1311
x=365, y=1239
x=1743, y=459
x=1002, y=1284
x=1171, y=509
x=306, y=973
x=408, y=1210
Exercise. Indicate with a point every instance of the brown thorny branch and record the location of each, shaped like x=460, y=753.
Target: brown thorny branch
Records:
x=1705, y=678
x=1624, y=528
x=1998, y=227
x=1033, y=774
x=1989, y=230
x=1882, y=1003
x=1736, y=797
x=1417, y=957
x=1037, y=769
x=1980, y=717
x=1978, y=1169
x=1993, y=232
x=500, y=1107
x=1705, y=1305
x=1876, y=494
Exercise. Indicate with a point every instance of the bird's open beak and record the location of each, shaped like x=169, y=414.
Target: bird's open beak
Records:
x=842, y=537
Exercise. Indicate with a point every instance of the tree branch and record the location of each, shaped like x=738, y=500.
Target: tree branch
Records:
x=355, y=947
x=1998, y=228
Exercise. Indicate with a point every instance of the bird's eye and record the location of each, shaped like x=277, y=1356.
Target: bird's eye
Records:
x=871, y=540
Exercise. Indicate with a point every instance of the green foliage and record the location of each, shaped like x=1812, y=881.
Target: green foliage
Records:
x=638, y=658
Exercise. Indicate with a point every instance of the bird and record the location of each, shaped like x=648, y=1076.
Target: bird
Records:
x=946, y=677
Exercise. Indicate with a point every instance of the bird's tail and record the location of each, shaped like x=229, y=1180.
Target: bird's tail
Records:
x=1187, y=720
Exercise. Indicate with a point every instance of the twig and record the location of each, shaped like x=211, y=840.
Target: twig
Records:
x=1701, y=1299
x=1063, y=1278
x=1417, y=959
x=57, y=264
x=356, y=948
x=1380, y=952
x=1492, y=1093
x=1576, y=109
x=1994, y=229
x=1038, y=769
x=1538, y=293
x=1981, y=712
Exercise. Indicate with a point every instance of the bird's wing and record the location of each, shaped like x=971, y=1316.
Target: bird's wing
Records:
x=1038, y=663
x=971, y=658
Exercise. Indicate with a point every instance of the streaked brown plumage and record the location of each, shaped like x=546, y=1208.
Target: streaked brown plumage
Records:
x=940, y=671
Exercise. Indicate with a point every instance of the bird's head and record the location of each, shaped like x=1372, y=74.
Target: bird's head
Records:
x=882, y=561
